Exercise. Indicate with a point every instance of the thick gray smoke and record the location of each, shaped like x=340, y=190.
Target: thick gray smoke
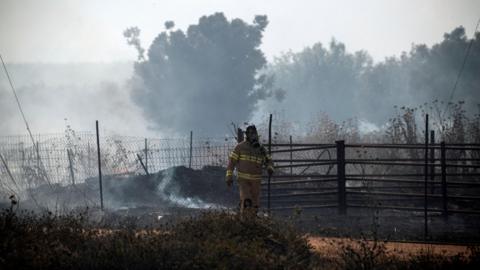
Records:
x=205, y=78
x=349, y=85
x=54, y=95
x=209, y=76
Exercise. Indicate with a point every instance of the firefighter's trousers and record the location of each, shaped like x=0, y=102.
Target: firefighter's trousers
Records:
x=249, y=194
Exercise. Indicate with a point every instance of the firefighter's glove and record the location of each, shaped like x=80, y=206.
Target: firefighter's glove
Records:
x=229, y=181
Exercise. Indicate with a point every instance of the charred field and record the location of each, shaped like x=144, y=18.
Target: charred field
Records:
x=187, y=219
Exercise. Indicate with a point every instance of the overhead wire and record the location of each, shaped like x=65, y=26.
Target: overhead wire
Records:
x=17, y=100
x=14, y=92
x=459, y=74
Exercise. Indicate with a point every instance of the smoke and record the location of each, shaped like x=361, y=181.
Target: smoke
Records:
x=204, y=78
x=76, y=94
x=214, y=74
x=175, y=187
x=347, y=84
x=170, y=190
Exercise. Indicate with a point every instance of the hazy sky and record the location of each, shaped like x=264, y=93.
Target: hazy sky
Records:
x=91, y=30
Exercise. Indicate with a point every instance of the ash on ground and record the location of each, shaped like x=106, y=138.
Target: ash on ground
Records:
x=173, y=188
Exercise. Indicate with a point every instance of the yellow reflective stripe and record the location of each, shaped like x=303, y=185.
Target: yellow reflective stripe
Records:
x=255, y=159
x=234, y=156
x=229, y=173
x=250, y=176
x=270, y=167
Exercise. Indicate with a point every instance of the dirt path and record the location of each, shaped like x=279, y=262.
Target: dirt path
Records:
x=331, y=245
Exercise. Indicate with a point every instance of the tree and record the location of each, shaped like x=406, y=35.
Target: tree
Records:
x=347, y=85
x=319, y=79
x=204, y=78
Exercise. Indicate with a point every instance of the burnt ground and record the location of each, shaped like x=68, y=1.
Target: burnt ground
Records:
x=179, y=191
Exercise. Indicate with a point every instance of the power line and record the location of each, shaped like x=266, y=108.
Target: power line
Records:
x=35, y=145
x=18, y=101
x=463, y=64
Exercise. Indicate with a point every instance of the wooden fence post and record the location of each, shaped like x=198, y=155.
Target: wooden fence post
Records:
x=99, y=166
x=341, y=181
x=444, y=180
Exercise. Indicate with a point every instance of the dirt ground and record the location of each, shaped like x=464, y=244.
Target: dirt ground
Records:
x=330, y=246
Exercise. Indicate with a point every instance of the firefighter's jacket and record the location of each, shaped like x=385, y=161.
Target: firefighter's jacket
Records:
x=249, y=161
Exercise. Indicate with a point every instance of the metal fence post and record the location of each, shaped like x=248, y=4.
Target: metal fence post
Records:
x=425, y=209
x=291, y=156
x=191, y=149
x=432, y=161
x=444, y=179
x=99, y=166
x=341, y=181
x=143, y=165
x=146, y=155
x=270, y=154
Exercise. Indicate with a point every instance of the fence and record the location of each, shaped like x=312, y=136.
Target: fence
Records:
x=348, y=177
x=435, y=178
x=346, y=188
x=72, y=157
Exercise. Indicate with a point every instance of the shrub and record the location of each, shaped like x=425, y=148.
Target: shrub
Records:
x=209, y=240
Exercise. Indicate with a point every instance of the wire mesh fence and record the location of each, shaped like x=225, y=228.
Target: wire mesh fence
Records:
x=72, y=157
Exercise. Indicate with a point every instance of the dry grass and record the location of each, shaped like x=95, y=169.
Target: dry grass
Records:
x=211, y=240
x=329, y=245
x=344, y=253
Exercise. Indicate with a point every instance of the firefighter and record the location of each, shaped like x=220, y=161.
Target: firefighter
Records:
x=249, y=158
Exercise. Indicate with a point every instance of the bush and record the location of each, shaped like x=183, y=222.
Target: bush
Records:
x=209, y=240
